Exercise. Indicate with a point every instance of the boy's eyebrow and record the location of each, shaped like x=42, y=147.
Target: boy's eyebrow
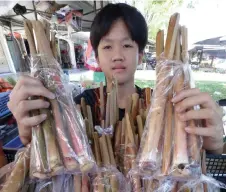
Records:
x=106, y=39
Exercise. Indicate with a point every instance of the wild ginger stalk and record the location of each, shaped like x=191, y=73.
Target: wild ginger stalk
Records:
x=38, y=145
x=149, y=150
x=17, y=177
x=168, y=130
x=110, y=150
x=53, y=155
x=66, y=149
x=114, y=183
x=78, y=138
x=97, y=148
x=104, y=151
x=102, y=100
x=90, y=118
x=148, y=97
x=140, y=126
x=77, y=183
x=85, y=183
x=107, y=120
x=180, y=153
x=135, y=105
x=84, y=109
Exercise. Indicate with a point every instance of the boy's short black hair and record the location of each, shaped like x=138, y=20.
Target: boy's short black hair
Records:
x=133, y=19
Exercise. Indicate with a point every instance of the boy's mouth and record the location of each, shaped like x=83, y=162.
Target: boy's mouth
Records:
x=118, y=68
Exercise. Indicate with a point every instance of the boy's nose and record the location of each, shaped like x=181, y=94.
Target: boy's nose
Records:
x=118, y=55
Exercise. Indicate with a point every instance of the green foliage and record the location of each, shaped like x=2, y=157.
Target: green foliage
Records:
x=216, y=89
x=11, y=81
x=157, y=14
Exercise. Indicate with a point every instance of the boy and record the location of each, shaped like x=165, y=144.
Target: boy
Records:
x=118, y=37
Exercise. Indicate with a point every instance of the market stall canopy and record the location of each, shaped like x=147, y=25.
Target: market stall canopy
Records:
x=45, y=9
x=212, y=46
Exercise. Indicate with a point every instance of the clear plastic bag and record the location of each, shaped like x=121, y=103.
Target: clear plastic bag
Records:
x=109, y=179
x=145, y=183
x=165, y=146
x=59, y=145
x=14, y=175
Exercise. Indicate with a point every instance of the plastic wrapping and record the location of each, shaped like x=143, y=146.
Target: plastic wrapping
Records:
x=59, y=145
x=109, y=179
x=165, y=146
x=14, y=175
x=143, y=183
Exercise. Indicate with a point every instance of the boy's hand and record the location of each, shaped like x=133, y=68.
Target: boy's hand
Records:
x=210, y=112
x=20, y=106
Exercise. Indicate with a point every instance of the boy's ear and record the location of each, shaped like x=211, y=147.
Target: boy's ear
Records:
x=140, y=60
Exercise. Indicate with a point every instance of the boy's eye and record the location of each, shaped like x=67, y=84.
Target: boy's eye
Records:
x=128, y=46
x=107, y=47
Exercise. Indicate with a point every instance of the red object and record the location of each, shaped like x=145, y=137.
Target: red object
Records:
x=16, y=35
x=90, y=60
x=5, y=86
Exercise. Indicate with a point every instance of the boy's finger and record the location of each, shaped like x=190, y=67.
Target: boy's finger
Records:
x=184, y=94
x=201, y=131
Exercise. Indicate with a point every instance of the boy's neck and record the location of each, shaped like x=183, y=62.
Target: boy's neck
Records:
x=124, y=90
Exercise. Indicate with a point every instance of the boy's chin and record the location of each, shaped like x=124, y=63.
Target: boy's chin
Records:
x=121, y=79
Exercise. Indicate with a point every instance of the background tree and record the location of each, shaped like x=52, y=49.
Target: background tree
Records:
x=157, y=14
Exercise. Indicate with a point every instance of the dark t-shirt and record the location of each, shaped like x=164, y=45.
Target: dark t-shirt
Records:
x=92, y=98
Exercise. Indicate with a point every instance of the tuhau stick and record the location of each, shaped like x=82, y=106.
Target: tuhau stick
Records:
x=104, y=151
x=140, y=126
x=67, y=151
x=129, y=105
x=168, y=128
x=77, y=183
x=135, y=105
x=53, y=155
x=97, y=152
x=180, y=153
x=90, y=118
x=84, y=109
x=110, y=150
x=114, y=183
x=102, y=100
x=17, y=177
x=171, y=36
x=149, y=152
x=148, y=96
x=107, y=120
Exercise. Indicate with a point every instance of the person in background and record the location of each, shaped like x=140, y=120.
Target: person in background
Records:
x=118, y=36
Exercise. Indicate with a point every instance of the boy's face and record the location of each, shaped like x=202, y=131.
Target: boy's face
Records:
x=118, y=55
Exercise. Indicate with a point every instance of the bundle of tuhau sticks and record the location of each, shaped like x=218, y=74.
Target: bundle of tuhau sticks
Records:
x=117, y=147
x=165, y=144
x=108, y=177
x=128, y=132
x=18, y=172
x=59, y=144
